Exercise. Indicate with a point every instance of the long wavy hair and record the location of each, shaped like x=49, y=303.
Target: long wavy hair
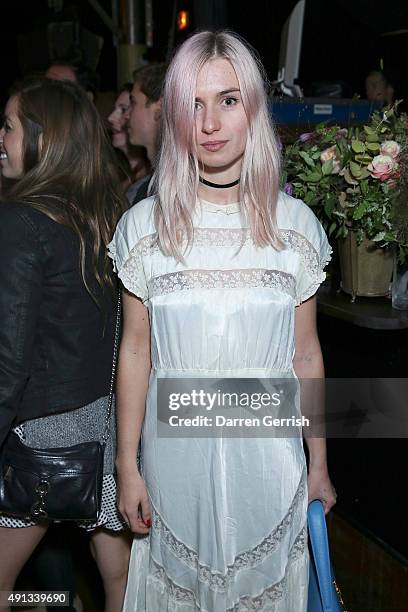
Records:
x=69, y=169
x=177, y=174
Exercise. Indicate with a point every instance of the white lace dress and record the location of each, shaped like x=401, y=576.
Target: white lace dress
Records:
x=229, y=514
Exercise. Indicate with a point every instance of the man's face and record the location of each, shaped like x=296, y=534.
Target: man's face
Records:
x=143, y=120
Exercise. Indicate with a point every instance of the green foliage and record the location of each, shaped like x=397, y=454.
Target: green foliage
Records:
x=338, y=173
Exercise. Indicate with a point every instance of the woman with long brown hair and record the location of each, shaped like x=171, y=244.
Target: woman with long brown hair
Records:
x=58, y=301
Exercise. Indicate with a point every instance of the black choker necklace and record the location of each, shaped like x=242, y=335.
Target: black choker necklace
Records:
x=216, y=185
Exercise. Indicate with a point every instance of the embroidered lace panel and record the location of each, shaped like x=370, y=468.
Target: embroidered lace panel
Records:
x=233, y=237
x=176, y=592
x=246, y=603
x=133, y=277
x=212, y=238
x=246, y=559
x=311, y=259
x=276, y=591
x=222, y=279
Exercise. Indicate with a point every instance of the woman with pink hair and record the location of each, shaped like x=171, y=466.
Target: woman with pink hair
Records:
x=219, y=272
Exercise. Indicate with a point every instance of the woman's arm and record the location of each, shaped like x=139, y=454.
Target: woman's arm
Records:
x=132, y=384
x=308, y=364
x=21, y=275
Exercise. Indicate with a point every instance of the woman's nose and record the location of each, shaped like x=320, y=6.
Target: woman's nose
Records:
x=211, y=122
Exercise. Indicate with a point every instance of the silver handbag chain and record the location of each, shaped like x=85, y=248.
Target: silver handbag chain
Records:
x=113, y=375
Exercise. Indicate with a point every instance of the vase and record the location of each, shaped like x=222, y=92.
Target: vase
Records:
x=399, y=292
x=366, y=269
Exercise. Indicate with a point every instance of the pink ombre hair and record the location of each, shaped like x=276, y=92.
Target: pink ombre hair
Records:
x=176, y=177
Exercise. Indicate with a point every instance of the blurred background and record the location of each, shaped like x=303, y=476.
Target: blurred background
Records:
x=342, y=40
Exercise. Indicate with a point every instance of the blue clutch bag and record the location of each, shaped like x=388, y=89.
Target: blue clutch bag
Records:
x=324, y=595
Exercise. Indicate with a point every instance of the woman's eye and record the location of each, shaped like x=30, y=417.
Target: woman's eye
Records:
x=230, y=101
x=197, y=106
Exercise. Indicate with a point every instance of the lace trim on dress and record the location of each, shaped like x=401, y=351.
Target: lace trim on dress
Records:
x=246, y=603
x=308, y=254
x=221, y=237
x=133, y=264
x=228, y=237
x=176, y=593
x=313, y=262
x=203, y=236
x=244, y=560
x=132, y=274
x=276, y=591
x=222, y=279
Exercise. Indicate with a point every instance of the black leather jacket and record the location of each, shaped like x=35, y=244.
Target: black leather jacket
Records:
x=56, y=345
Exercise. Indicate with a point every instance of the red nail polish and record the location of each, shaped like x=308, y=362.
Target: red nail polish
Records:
x=148, y=523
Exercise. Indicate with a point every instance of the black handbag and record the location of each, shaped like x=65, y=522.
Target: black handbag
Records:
x=56, y=483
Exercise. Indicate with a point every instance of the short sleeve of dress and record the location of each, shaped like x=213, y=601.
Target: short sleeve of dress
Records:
x=314, y=254
x=126, y=251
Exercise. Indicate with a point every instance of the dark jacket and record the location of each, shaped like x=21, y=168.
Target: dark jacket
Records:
x=56, y=345
x=142, y=190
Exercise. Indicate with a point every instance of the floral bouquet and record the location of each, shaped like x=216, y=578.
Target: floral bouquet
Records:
x=356, y=178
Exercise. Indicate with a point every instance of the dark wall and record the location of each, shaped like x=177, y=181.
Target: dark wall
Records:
x=342, y=39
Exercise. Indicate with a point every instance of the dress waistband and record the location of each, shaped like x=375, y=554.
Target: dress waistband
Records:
x=224, y=373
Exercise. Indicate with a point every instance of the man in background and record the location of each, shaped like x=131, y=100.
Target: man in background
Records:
x=144, y=116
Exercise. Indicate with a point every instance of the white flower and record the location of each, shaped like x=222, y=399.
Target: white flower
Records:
x=391, y=148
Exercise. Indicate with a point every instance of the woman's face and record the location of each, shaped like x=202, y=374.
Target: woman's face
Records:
x=117, y=120
x=11, y=142
x=220, y=120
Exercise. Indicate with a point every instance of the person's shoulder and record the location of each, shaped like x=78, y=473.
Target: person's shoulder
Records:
x=295, y=216
x=135, y=225
x=21, y=212
x=140, y=217
x=15, y=211
x=17, y=215
x=303, y=234
x=22, y=231
x=293, y=213
x=144, y=209
x=135, y=229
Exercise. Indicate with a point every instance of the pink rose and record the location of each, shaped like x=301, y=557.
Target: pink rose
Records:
x=382, y=167
x=328, y=154
x=391, y=148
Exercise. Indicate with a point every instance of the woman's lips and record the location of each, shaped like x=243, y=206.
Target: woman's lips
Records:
x=215, y=145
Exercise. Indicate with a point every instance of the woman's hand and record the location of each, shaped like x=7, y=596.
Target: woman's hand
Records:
x=320, y=487
x=133, y=502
